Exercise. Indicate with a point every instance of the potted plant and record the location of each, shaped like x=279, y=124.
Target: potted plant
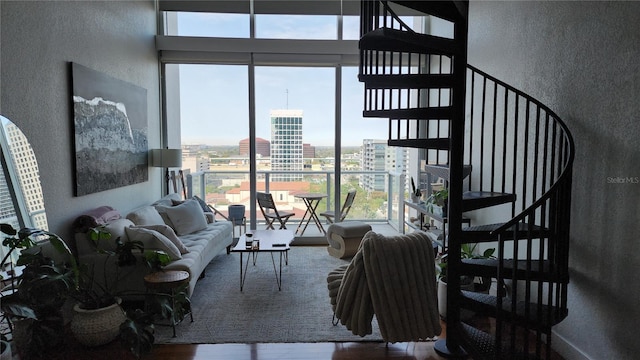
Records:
x=438, y=201
x=99, y=301
x=467, y=283
x=45, y=285
x=35, y=308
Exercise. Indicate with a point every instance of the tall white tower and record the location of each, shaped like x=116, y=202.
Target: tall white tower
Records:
x=286, y=144
x=26, y=165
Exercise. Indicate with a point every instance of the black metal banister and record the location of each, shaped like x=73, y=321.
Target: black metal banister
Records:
x=522, y=154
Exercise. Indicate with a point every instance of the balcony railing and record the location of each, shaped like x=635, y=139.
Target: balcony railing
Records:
x=379, y=193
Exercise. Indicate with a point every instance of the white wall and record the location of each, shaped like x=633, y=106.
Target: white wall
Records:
x=582, y=59
x=39, y=40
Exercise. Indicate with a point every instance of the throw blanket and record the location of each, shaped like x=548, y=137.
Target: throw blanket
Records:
x=393, y=278
x=92, y=218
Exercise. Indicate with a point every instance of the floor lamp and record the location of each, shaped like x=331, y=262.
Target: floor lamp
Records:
x=167, y=158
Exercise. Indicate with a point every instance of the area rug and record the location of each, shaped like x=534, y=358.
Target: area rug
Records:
x=300, y=312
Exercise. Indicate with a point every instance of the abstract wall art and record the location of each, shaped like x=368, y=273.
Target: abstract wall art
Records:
x=110, y=121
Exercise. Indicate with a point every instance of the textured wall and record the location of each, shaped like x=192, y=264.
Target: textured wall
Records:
x=39, y=40
x=583, y=60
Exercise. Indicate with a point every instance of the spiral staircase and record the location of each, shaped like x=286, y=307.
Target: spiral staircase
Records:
x=498, y=151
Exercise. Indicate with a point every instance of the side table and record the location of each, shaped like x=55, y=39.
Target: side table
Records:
x=168, y=282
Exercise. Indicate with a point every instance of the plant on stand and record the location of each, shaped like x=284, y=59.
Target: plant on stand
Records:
x=438, y=199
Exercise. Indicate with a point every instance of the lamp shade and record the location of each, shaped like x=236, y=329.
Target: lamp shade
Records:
x=166, y=158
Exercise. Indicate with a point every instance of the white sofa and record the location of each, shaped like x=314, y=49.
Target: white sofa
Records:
x=168, y=225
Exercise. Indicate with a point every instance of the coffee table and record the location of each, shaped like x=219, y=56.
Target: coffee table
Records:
x=271, y=241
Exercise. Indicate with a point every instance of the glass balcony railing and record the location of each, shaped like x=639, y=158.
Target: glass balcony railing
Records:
x=377, y=199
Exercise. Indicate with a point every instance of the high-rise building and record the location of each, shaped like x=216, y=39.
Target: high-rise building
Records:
x=377, y=156
x=286, y=144
x=26, y=167
x=263, y=147
x=308, y=151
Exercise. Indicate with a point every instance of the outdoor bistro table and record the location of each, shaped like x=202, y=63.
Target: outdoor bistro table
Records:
x=311, y=200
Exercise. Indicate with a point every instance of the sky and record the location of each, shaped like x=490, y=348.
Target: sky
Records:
x=214, y=98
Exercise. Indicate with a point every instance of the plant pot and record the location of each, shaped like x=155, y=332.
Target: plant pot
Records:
x=442, y=300
x=5, y=350
x=99, y=326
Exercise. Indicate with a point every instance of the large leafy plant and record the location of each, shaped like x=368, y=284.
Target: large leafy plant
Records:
x=40, y=290
x=45, y=284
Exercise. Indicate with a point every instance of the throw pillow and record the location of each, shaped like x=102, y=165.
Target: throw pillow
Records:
x=146, y=215
x=167, y=231
x=166, y=200
x=186, y=217
x=163, y=214
x=153, y=240
x=208, y=214
x=202, y=203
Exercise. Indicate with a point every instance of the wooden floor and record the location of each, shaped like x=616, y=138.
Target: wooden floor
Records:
x=304, y=351
x=268, y=351
x=299, y=351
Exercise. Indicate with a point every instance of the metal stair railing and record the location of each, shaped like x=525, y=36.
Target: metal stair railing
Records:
x=515, y=144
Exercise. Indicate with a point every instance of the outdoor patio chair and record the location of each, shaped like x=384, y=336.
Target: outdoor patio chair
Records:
x=270, y=212
x=330, y=215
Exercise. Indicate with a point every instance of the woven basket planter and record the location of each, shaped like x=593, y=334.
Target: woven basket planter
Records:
x=99, y=326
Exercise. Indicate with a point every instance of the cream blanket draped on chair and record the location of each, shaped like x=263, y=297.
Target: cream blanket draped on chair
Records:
x=393, y=278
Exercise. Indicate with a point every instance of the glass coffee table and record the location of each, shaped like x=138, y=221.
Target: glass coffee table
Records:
x=271, y=241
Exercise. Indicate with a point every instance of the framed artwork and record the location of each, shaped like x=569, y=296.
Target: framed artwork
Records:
x=110, y=122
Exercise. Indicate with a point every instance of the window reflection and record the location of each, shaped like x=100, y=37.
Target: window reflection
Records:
x=21, y=200
x=21, y=192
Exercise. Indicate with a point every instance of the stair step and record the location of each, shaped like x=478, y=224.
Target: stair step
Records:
x=437, y=113
x=482, y=346
x=385, y=39
x=487, y=305
x=442, y=171
x=484, y=233
x=437, y=144
x=407, y=81
x=477, y=343
x=448, y=10
x=539, y=271
x=472, y=200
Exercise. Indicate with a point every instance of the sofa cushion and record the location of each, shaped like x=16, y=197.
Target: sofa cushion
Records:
x=202, y=203
x=167, y=199
x=208, y=214
x=153, y=240
x=167, y=231
x=116, y=228
x=186, y=217
x=146, y=215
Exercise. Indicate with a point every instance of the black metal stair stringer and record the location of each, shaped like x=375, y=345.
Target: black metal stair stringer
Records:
x=390, y=54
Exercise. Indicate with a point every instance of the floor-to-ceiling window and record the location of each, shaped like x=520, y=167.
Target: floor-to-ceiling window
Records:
x=294, y=66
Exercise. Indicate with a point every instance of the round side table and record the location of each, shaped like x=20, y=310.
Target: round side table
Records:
x=168, y=282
